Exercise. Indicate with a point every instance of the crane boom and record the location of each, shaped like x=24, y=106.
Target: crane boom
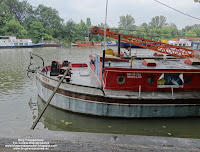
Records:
x=176, y=51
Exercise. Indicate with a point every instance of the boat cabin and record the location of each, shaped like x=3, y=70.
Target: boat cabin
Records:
x=147, y=74
x=7, y=41
x=181, y=42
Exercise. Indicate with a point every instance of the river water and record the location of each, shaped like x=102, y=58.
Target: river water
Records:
x=19, y=103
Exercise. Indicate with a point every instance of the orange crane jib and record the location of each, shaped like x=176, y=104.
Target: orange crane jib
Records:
x=176, y=51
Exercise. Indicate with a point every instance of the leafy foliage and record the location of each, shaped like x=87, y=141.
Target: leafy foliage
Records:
x=158, y=22
x=13, y=27
x=21, y=10
x=69, y=31
x=126, y=22
x=21, y=19
x=36, y=31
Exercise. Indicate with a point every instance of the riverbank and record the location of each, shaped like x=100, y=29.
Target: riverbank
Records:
x=77, y=141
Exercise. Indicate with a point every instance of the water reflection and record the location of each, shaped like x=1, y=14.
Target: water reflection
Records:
x=12, y=71
x=56, y=119
x=33, y=107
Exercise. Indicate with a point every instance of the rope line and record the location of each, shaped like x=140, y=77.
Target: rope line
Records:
x=178, y=10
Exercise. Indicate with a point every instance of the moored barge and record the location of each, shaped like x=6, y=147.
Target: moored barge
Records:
x=116, y=87
x=169, y=89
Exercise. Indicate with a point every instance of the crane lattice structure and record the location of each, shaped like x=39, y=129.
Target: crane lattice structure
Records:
x=176, y=51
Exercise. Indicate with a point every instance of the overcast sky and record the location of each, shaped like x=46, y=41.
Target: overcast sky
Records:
x=141, y=10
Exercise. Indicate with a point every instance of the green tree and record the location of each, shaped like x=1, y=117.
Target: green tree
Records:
x=36, y=31
x=50, y=19
x=21, y=10
x=141, y=32
x=80, y=32
x=191, y=34
x=5, y=16
x=146, y=30
x=28, y=21
x=194, y=28
x=13, y=27
x=69, y=31
x=101, y=25
x=197, y=1
x=169, y=32
x=158, y=22
x=47, y=37
x=88, y=23
x=126, y=22
x=196, y=31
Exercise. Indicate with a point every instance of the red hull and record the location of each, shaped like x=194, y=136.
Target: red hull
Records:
x=88, y=43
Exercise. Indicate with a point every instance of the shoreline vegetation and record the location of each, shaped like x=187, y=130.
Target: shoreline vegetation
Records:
x=19, y=18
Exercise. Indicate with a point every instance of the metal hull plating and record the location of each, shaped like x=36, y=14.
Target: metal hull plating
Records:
x=90, y=100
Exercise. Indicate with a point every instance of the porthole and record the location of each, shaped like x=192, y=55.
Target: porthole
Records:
x=150, y=80
x=188, y=80
x=120, y=80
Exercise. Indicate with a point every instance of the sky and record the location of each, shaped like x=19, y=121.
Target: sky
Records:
x=141, y=10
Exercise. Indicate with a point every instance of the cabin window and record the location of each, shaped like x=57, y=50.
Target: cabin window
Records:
x=179, y=44
x=120, y=80
x=16, y=44
x=25, y=43
x=183, y=44
x=170, y=80
x=150, y=80
x=20, y=43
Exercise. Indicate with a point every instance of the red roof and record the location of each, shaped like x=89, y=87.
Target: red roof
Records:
x=194, y=39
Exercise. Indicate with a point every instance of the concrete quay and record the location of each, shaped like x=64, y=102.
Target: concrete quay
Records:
x=93, y=142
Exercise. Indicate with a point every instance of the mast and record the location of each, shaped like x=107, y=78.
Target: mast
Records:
x=105, y=25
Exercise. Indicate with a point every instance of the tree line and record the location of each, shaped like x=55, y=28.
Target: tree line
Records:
x=19, y=18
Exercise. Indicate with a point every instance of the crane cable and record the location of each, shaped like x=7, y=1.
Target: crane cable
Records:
x=178, y=10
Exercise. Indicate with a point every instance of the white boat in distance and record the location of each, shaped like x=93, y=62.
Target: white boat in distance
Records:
x=181, y=42
x=12, y=41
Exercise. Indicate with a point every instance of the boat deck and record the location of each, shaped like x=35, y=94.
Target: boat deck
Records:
x=81, y=76
x=160, y=64
x=86, y=77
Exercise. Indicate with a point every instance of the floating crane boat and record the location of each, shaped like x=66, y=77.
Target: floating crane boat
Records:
x=112, y=86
